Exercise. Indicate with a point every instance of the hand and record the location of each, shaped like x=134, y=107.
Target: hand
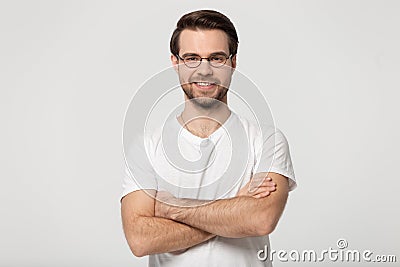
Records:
x=164, y=204
x=259, y=186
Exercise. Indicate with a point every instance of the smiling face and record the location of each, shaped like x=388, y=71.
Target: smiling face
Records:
x=205, y=83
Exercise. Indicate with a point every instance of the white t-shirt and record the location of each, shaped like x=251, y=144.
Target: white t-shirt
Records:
x=208, y=169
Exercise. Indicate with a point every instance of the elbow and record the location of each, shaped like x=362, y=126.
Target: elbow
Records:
x=137, y=242
x=265, y=226
x=138, y=247
x=138, y=252
x=265, y=229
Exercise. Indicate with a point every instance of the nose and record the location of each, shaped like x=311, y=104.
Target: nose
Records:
x=204, y=68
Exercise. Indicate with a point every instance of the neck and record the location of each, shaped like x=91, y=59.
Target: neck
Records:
x=204, y=121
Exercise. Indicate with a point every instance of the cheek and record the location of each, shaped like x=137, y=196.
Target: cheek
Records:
x=225, y=78
x=184, y=74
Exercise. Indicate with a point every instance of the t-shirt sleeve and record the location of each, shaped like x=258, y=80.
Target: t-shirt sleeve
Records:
x=273, y=155
x=138, y=172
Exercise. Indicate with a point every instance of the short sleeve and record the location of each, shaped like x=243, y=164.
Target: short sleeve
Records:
x=273, y=155
x=138, y=172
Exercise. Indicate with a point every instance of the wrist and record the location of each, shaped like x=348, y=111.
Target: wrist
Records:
x=175, y=213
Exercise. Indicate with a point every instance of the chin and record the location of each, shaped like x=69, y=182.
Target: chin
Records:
x=206, y=103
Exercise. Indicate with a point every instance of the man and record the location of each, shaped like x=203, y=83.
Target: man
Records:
x=191, y=216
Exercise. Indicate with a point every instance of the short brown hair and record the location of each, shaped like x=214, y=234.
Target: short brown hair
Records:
x=205, y=20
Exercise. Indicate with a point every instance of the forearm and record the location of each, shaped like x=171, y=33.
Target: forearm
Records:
x=151, y=235
x=240, y=216
x=234, y=217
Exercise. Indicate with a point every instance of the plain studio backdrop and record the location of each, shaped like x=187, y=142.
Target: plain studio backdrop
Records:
x=329, y=69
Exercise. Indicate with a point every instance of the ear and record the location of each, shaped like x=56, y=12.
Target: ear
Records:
x=233, y=60
x=175, y=62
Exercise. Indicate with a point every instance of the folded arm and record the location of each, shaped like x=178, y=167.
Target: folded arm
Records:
x=235, y=217
x=147, y=234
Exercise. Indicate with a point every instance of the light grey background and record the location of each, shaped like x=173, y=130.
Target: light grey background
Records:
x=329, y=70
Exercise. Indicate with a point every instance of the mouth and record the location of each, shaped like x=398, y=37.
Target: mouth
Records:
x=205, y=85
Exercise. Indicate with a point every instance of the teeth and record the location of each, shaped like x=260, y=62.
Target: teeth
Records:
x=203, y=83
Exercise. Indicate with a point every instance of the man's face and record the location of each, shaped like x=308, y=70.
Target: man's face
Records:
x=204, y=84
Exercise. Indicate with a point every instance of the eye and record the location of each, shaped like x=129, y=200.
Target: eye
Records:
x=218, y=58
x=191, y=59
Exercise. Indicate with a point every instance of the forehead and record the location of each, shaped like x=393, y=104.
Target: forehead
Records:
x=203, y=42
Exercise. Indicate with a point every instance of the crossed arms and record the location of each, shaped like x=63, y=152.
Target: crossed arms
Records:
x=153, y=227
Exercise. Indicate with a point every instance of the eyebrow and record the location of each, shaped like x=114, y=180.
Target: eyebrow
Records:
x=212, y=54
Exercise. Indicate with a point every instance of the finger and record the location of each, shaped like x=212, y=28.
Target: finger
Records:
x=262, y=190
x=259, y=189
x=268, y=183
x=261, y=195
x=257, y=181
x=270, y=186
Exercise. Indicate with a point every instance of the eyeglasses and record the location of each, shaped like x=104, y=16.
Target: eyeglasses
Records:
x=193, y=61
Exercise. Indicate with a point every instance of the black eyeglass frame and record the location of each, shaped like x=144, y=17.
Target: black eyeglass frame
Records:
x=208, y=59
